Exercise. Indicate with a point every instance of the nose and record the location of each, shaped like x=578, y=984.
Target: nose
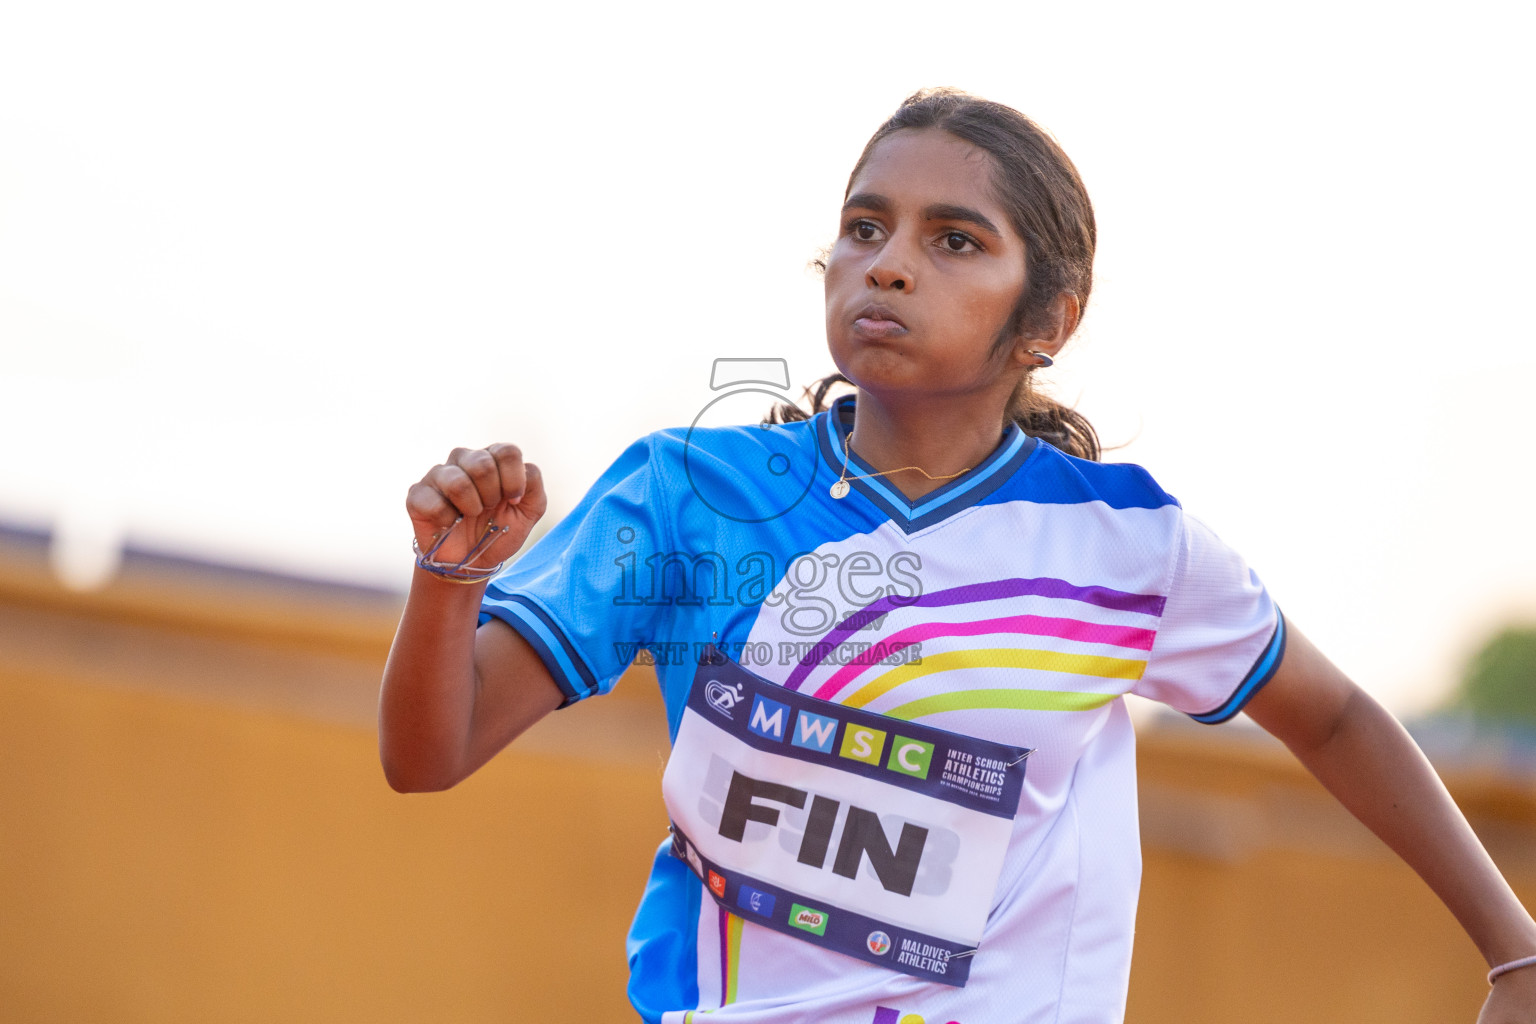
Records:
x=890, y=269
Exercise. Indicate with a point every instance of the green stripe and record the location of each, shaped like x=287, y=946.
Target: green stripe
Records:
x=1012, y=700
x=998, y=657
x=733, y=956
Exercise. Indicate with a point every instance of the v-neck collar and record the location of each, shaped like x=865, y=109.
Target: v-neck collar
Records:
x=954, y=496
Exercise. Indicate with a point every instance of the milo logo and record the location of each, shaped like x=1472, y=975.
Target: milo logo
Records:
x=809, y=919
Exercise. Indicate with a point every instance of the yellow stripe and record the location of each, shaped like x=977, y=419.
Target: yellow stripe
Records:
x=1013, y=700
x=998, y=657
x=733, y=956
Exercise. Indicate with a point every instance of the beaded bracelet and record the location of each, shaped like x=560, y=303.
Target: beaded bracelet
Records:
x=462, y=571
x=1513, y=965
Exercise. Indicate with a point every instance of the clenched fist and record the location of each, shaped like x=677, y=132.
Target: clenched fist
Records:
x=478, y=489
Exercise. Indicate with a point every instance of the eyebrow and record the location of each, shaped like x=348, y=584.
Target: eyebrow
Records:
x=950, y=211
x=867, y=201
x=936, y=211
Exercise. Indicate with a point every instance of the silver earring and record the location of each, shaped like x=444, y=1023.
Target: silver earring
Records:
x=1045, y=360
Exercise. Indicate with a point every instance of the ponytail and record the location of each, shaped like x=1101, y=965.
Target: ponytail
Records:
x=1036, y=414
x=1041, y=416
x=816, y=395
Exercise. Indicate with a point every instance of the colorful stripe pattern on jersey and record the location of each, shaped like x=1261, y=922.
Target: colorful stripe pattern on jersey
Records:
x=1017, y=603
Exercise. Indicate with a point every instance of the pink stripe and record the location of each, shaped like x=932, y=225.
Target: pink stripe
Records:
x=1031, y=625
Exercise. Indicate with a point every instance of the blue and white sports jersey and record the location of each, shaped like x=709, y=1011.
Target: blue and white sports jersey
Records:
x=1017, y=603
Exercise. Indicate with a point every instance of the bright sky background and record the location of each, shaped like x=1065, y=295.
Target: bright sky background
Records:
x=261, y=265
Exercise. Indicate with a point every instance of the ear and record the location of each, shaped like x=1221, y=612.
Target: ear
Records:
x=1066, y=311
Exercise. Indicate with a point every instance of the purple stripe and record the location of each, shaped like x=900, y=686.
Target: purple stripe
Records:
x=725, y=955
x=972, y=593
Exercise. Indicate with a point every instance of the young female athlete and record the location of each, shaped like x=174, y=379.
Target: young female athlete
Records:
x=902, y=772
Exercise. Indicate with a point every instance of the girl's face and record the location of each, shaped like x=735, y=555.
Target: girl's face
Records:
x=925, y=273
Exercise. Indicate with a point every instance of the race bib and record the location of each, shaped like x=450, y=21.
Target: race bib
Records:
x=871, y=836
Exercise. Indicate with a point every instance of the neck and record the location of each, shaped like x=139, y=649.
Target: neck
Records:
x=943, y=438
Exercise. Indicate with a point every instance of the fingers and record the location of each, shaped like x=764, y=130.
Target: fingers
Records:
x=456, y=488
x=510, y=472
x=424, y=503
x=480, y=466
x=534, y=501
x=497, y=496
x=477, y=482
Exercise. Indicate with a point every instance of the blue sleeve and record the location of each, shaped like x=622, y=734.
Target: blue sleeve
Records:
x=572, y=595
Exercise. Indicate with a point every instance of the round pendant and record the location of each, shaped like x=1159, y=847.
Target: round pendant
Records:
x=840, y=489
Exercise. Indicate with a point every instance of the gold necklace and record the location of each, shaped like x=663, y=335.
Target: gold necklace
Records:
x=840, y=488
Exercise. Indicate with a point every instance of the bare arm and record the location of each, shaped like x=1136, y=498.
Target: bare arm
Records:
x=453, y=695
x=1367, y=760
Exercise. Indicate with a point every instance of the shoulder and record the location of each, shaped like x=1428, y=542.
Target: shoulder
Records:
x=746, y=474
x=676, y=443
x=1056, y=477
x=754, y=451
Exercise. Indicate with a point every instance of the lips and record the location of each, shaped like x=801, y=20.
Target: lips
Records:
x=878, y=321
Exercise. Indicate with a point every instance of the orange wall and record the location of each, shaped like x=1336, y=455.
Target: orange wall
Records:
x=1264, y=902
x=171, y=860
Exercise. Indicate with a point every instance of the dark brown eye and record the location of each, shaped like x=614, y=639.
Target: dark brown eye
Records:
x=956, y=241
x=864, y=231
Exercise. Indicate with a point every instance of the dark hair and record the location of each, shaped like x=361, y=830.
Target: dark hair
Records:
x=1048, y=206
